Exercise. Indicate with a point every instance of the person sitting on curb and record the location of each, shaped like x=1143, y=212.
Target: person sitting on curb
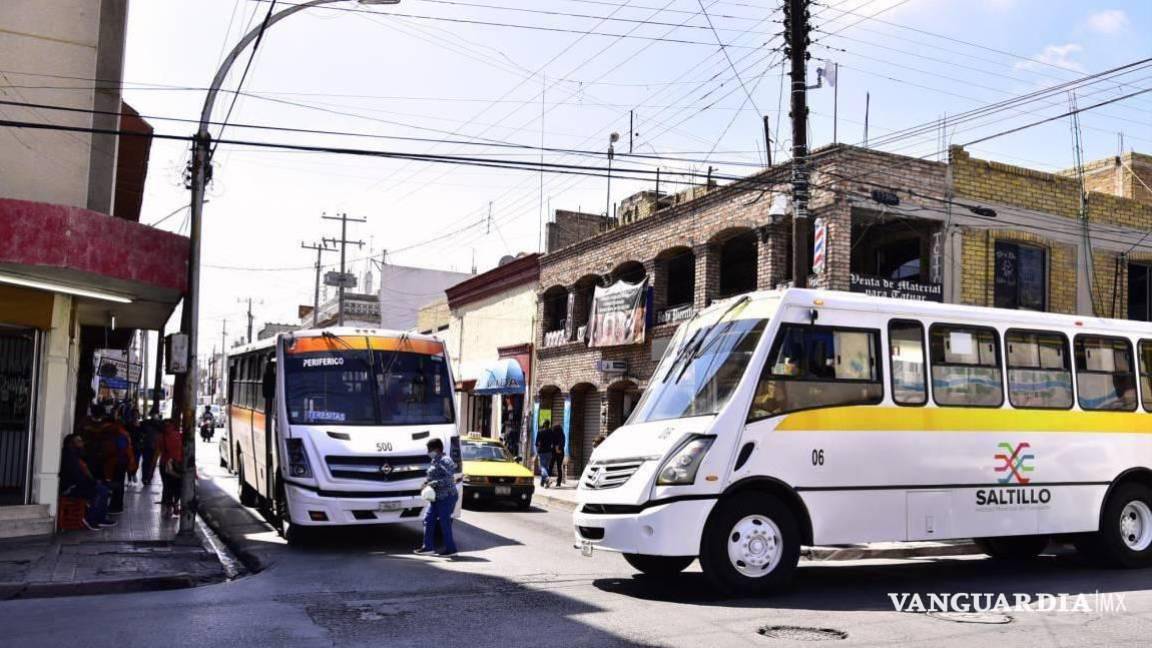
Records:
x=76, y=480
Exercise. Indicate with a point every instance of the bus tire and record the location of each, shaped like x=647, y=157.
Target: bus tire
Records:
x=1012, y=547
x=660, y=566
x=751, y=545
x=247, y=493
x=1125, y=536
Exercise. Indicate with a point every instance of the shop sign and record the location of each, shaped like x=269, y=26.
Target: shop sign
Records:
x=618, y=314
x=897, y=288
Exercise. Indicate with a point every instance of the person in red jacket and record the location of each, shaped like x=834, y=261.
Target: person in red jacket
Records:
x=171, y=467
x=119, y=460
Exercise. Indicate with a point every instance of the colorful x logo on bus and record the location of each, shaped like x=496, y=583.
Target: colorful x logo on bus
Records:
x=1014, y=463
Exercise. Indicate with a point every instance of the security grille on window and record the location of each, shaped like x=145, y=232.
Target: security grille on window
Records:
x=1021, y=276
x=966, y=366
x=1039, y=371
x=819, y=366
x=1104, y=375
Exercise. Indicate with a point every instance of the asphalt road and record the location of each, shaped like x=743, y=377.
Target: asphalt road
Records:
x=518, y=582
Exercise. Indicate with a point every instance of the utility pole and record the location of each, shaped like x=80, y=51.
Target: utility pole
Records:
x=768, y=140
x=344, y=242
x=612, y=139
x=320, y=248
x=796, y=30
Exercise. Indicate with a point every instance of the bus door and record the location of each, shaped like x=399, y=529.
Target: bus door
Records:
x=268, y=393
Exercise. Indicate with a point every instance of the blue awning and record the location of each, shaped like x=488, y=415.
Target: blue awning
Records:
x=503, y=376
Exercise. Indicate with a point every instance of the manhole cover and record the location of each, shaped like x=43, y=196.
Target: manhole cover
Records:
x=992, y=618
x=800, y=633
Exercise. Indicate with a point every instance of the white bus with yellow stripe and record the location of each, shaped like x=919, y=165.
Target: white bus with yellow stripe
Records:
x=802, y=417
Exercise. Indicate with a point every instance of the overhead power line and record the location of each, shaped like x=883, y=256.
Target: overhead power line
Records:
x=542, y=28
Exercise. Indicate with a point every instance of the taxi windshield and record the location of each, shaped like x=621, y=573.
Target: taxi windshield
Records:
x=484, y=452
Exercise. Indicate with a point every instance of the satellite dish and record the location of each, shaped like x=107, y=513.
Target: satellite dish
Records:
x=506, y=259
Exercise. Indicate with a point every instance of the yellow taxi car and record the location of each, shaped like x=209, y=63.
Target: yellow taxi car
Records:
x=491, y=473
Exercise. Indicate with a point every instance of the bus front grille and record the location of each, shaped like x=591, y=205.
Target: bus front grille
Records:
x=378, y=469
x=610, y=475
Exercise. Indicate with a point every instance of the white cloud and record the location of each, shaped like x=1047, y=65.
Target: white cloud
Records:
x=1109, y=21
x=1057, y=55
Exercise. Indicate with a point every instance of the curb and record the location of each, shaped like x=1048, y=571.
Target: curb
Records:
x=215, y=507
x=541, y=499
x=821, y=554
x=88, y=588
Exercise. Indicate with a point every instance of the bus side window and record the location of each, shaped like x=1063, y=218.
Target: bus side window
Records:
x=966, y=369
x=1104, y=373
x=1039, y=370
x=909, y=380
x=231, y=381
x=819, y=366
x=1146, y=373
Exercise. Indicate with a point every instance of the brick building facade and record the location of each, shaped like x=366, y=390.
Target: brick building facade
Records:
x=963, y=231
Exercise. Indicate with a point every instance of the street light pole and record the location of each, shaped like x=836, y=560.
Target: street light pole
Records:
x=199, y=174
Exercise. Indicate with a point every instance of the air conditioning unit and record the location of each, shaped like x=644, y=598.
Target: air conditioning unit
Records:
x=613, y=366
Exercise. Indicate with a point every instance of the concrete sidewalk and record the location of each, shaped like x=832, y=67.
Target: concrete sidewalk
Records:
x=564, y=498
x=141, y=553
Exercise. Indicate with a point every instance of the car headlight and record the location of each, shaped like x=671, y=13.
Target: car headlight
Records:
x=467, y=479
x=680, y=469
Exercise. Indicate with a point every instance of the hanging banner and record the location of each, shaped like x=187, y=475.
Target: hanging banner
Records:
x=618, y=314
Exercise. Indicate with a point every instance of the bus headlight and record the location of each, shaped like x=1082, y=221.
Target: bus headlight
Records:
x=297, y=459
x=680, y=469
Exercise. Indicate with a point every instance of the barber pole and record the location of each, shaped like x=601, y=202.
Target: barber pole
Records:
x=819, y=238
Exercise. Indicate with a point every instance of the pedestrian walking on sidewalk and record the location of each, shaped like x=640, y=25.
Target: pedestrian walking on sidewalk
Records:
x=171, y=468
x=152, y=433
x=119, y=461
x=544, y=451
x=557, y=454
x=442, y=479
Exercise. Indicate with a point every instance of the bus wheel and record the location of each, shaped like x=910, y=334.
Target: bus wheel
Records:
x=659, y=565
x=1125, y=535
x=1012, y=547
x=247, y=493
x=751, y=545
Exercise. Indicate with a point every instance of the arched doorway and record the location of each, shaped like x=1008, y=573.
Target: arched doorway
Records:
x=623, y=396
x=583, y=427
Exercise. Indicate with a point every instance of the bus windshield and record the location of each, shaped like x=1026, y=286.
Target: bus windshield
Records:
x=700, y=370
x=367, y=387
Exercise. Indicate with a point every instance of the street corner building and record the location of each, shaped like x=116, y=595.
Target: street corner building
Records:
x=78, y=271
x=961, y=230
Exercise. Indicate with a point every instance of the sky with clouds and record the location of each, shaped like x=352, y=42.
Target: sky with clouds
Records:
x=566, y=74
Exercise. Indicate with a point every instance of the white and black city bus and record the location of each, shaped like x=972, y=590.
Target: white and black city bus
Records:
x=329, y=427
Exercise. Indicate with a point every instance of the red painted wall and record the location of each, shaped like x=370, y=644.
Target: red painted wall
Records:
x=42, y=234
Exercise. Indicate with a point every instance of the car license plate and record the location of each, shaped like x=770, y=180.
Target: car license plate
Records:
x=586, y=548
x=503, y=490
x=390, y=506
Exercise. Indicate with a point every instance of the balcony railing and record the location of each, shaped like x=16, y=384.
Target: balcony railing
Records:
x=555, y=338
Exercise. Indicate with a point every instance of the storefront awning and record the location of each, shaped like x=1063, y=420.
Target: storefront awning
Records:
x=502, y=376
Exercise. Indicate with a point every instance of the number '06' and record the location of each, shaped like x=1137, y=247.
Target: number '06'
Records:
x=818, y=457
